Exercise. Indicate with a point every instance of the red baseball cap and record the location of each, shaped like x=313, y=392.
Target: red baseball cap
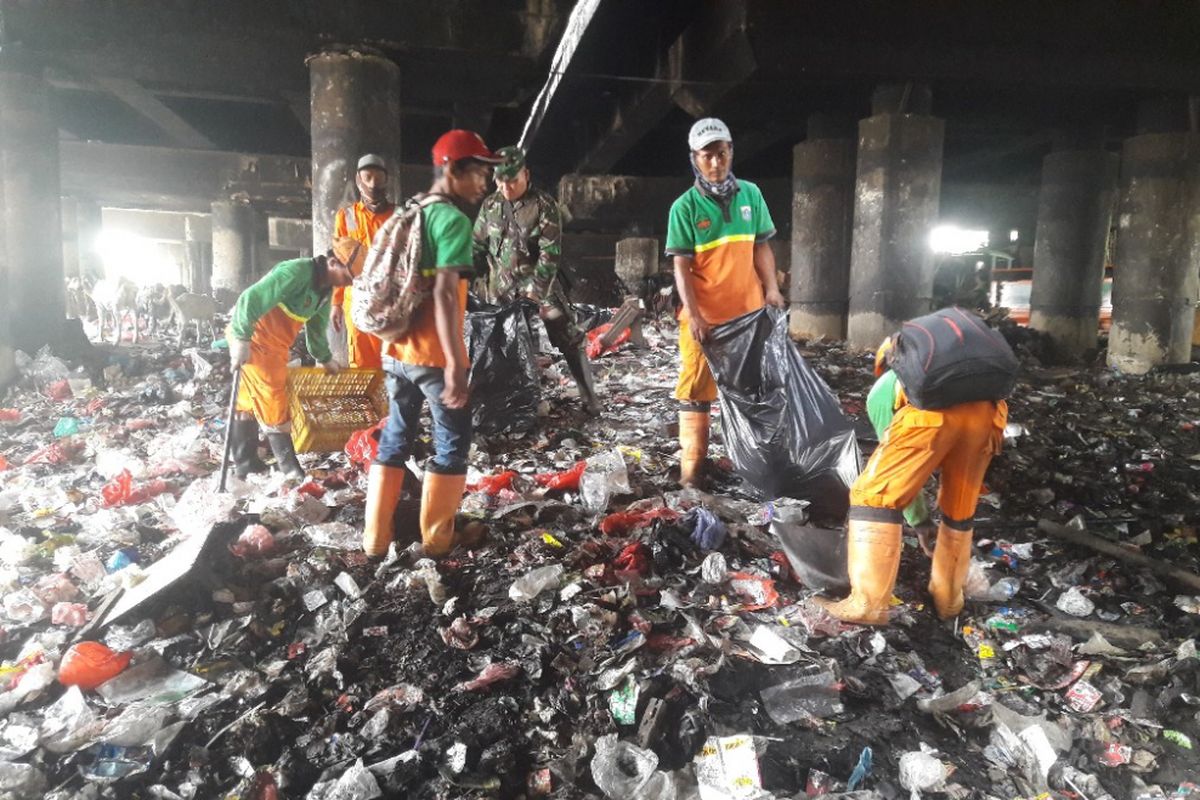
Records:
x=458, y=144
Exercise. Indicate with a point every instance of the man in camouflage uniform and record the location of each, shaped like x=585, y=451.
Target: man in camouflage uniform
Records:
x=517, y=244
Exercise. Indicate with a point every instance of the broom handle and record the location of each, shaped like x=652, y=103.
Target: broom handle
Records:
x=229, y=418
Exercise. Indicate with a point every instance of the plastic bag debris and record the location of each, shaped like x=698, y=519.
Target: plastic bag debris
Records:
x=153, y=681
x=624, y=771
x=491, y=674
x=921, y=772
x=817, y=555
x=69, y=723
x=604, y=477
x=565, y=481
x=1075, y=603
x=363, y=446
x=338, y=535
x=72, y=614
x=254, y=541
x=536, y=581
x=356, y=783
x=89, y=664
x=504, y=381
x=783, y=427
x=708, y=531
x=803, y=698
x=727, y=767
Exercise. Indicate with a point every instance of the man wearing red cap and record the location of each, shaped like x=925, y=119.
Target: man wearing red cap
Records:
x=429, y=362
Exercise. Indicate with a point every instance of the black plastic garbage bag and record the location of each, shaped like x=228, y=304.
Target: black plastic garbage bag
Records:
x=783, y=427
x=817, y=555
x=504, y=375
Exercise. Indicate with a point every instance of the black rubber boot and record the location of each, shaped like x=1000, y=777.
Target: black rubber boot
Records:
x=285, y=455
x=244, y=448
x=581, y=371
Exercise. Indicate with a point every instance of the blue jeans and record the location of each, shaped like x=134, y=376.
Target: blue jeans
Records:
x=408, y=387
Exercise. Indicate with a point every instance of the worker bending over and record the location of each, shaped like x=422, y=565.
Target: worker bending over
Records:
x=360, y=221
x=960, y=440
x=717, y=233
x=266, y=319
x=429, y=361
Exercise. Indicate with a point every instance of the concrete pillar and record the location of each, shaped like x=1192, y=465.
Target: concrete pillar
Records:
x=637, y=258
x=822, y=220
x=70, y=238
x=1075, y=204
x=355, y=106
x=1158, y=247
x=33, y=214
x=233, y=233
x=896, y=196
x=196, y=266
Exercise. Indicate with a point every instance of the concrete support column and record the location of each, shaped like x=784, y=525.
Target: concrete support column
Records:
x=1075, y=204
x=196, y=264
x=1158, y=247
x=637, y=259
x=35, y=292
x=896, y=196
x=233, y=233
x=355, y=106
x=822, y=220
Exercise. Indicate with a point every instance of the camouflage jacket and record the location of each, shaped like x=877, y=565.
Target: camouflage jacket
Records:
x=517, y=245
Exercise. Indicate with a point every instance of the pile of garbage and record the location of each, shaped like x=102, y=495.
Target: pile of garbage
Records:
x=614, y=637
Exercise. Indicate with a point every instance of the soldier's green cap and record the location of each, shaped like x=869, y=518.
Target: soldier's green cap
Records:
x=514, y=162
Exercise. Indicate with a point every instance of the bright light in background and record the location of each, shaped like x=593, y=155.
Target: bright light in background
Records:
x=955, y=240
x=143, y=261
x=1013, y=235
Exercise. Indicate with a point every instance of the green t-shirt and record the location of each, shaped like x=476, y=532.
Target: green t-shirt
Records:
x=445, y=239
x=881, y=407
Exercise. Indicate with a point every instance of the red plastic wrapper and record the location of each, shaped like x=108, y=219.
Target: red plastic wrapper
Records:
x=89, y=664
x=666, y=643
x=491, y=674
x=634, y=558
x=120, y=490
x=10, y=414
x=3, y=463
x=363, y=446
x=94, y=405
x=566, y=481
x=60, y=452
x=59, y=391
x=311, y=489
x=1116, y=754
x=493, y=484
x=622, y=522
x=73, y=614
x=756, y=592
x=594, y=350
x=256, y=540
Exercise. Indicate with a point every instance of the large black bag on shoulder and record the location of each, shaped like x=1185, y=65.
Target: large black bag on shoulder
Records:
x=783, y=427
x=950, y=357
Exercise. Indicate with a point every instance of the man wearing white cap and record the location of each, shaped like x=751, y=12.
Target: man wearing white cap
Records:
x=717, y=234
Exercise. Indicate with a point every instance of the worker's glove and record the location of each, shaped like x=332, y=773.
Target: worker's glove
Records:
x=239, y=353
x=331, y=367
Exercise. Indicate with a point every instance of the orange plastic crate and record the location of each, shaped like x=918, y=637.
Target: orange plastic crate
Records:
x=326, y=409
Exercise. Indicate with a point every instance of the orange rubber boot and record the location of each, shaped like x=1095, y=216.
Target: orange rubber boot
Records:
x=440, y=499
x=693, y=441
x=951, y=561
x=383, y=493
x=873, y=560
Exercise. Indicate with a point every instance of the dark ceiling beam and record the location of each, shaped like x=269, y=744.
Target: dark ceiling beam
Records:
x=709, y=59
x=144, y=102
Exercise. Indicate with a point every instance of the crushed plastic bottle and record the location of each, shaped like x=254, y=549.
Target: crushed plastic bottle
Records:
x=1075, y=603
x=536, y=581
x=604, y=476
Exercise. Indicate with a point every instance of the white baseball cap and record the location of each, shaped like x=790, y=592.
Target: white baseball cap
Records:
x=707, y=131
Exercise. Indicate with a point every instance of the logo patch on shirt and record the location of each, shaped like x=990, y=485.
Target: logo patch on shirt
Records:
x=746, y=213
x=704, y=223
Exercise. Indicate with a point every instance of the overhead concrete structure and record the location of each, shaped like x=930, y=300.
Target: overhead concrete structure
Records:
x=823, y=172
x=355, y=106
x=896, y=197
x=32, y=220
x=1075, y=205
x=1155, y=280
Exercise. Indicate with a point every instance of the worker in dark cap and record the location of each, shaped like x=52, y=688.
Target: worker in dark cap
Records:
x=360, y=221
x=517, y=246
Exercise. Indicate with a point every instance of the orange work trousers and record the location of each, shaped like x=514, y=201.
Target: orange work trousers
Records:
x=959, y=440
x=263, y=388
x=696, y=383
x=366, y=351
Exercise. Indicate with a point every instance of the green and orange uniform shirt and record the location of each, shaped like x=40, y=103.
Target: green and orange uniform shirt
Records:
x=720, y=239
x=270, y=314
x=360, y=223
x=445, y=244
